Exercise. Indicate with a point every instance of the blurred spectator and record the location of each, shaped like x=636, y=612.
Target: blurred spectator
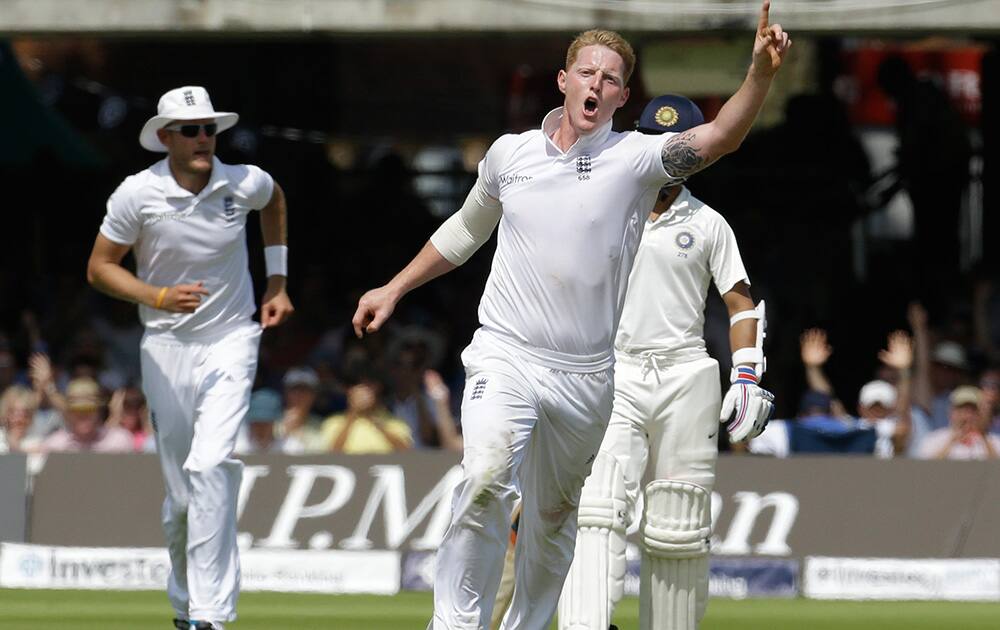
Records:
x=84, y=429
x=966, y=437
x=264, y=413
x=937, y=373
x=881, y=405
x=877, y=408
x=884, y=422
x=127, y=409
x=299, y=426
x=816, y=430
x=422, y=400
x=366, y=426
x=17, y=410
x=986, y=318
x=117, y=328
x=932, y=165
x=8, y=368
x=51, y=403
x=989, y=385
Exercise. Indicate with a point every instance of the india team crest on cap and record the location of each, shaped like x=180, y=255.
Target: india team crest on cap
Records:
x=685, y=240
x=666, y=116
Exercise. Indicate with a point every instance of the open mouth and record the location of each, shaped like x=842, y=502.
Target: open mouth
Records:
x=590, y=105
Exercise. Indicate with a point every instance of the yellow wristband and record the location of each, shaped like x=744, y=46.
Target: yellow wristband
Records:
x=159, y=298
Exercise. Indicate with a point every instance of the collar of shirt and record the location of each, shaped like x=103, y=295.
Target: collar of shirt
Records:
x=584, y=143
x=172, y=190
x=680, y=205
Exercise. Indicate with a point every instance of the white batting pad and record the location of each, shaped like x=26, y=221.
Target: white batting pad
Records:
x=673, y=591
x=596, y=580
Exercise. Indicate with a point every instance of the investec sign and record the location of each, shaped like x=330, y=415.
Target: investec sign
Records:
x=839, y=507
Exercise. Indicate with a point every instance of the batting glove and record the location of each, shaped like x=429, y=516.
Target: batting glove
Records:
x=747, y=407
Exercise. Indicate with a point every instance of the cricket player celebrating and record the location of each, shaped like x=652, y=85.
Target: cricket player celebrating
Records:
x=570, y=199
x=667, y=411
x=184, y=219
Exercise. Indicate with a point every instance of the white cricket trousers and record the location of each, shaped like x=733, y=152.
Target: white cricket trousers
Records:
x=531, y=429
x=667, y=415
x=198, y=393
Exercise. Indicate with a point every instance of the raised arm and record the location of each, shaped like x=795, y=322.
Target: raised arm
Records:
x=687, y=153
x=923, y=393
x=898, y=355
x=275, y=306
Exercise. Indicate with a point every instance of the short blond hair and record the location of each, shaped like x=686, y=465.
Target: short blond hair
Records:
x=608, y=39
x=17, y=396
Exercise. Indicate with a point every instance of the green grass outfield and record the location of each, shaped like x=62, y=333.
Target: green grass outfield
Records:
x=99, y=610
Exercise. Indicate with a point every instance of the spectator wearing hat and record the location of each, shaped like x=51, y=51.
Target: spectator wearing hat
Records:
x=938, y=369
x=84, y=429
x=264, y=413
x=878, y=408
x=366, y=426
x=966, y=436
x=299, y=426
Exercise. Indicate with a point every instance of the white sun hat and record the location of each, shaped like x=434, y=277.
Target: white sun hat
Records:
x=190, y=102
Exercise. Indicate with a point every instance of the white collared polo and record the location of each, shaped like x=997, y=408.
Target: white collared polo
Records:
x=684, y=249
x=570, y=227
x=178, y=237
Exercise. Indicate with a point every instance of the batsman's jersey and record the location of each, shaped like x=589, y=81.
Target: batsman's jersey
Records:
x=682, y=251
x=178, y=237
x=570, y=227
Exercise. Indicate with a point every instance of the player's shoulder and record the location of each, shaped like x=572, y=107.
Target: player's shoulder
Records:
x=638, y=139
x=704, y=212
x=244, y=179
x=151, y=177
x=139, y=188
x=241, y=174
x=509, y=144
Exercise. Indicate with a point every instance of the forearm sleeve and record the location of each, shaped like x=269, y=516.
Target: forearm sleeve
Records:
x=465, y=231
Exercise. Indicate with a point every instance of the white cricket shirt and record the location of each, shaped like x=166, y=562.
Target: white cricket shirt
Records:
x=180, y=238
x=570, y=227
x=682, y=251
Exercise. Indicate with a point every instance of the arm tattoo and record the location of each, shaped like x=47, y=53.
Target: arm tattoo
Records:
x=680, y=158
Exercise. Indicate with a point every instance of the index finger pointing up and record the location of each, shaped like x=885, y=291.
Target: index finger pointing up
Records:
x=762, y=24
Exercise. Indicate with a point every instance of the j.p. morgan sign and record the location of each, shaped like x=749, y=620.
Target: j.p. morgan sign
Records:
x=788, y=508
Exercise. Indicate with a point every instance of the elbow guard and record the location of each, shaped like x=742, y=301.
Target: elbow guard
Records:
x=465, y=231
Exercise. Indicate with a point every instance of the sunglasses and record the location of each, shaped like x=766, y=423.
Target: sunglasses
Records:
x=191, y=131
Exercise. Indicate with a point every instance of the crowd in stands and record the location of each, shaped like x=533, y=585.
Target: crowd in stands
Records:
x=933, y=396
x=927, y=400
x=375, y=399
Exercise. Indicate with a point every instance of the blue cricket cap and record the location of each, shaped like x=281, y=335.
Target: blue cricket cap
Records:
x=670, y=112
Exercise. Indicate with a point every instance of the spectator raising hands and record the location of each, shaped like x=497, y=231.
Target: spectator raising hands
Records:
x=816, y=352
x=898, y=356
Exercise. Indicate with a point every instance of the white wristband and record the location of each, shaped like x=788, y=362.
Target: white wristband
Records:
x=276, y=260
